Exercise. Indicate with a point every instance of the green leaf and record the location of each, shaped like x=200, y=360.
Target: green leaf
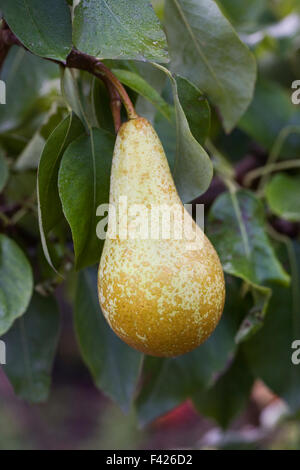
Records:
x=30, y=156
x=86, y=83
x=16, y=283
x=236, y=227
x=195, y=107
x=269, y=352
x=101, y=104
x=29, y=84
x=49, y=205
x=228, y=396
x=168, y=382
x=3, y=170
x=205, y=48
x=30, y=349
x=166, y=131
x=197, y=112
x=193, y=168
x=83, y=182
x=245, y=14
x=254, y=320
x=77, y=90
x=283, y=196
x=115, y=367
x=156, y=78
x=71, y=93
x=43, y=27
x=270, y=112
x=138, y=84
x=119, y=30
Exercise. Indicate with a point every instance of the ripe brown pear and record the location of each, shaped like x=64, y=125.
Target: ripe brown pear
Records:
x=163, y=297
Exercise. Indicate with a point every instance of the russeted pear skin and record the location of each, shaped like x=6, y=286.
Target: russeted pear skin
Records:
x=160, y=296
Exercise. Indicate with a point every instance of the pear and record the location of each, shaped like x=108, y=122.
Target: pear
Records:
x=163, y=297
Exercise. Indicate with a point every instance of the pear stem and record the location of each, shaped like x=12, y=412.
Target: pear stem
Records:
x=115, y=104
x=103, y=71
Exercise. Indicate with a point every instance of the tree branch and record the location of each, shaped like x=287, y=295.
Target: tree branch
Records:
x=82, y=61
